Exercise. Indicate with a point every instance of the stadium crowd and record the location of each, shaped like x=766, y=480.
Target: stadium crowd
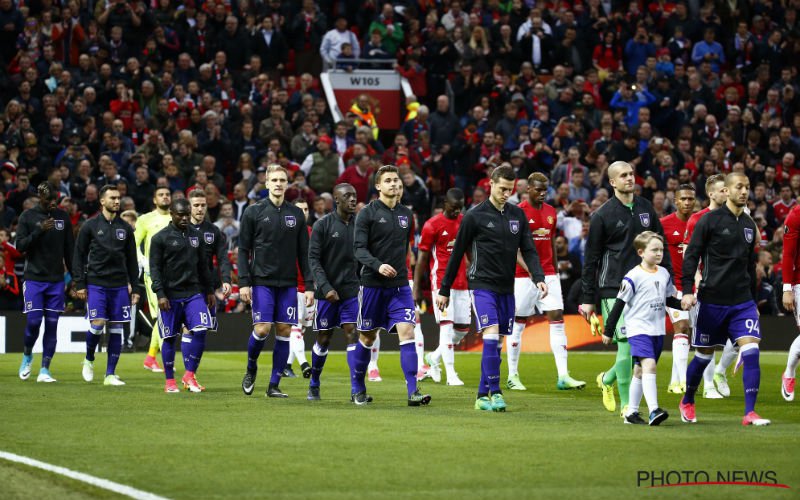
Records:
x=204, y=95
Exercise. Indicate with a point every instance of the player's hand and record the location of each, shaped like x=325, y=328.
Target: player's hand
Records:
x=245, y=294
x=542, y=286
x=81, y=294
x=134, y=299
x=442, y=302
x=687, y=301
x=332, y=297
x=48, y=224
x=788, y=301
x=586, y=310
x=309, y=298
x=163, y=304
x=226, y=290
x=606, y=339
x=387, y=271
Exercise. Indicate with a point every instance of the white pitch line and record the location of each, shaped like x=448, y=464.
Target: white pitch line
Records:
x=84, y=478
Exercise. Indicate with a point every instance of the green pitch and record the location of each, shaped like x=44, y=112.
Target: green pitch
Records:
x=222, y=444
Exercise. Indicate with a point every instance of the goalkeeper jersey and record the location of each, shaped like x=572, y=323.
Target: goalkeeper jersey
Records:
x=146, y=227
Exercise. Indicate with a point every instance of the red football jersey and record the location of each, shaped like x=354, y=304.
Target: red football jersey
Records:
x=782, y=209
x=438, y=238
x=543, y=226
x=675, y=231
x=693, y=220
x=790, y=260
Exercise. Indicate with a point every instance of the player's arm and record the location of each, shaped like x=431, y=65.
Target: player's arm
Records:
x=302, y=255
x=691, y=259
x=594, y=250
x=225, y=267
x=791, y=234
x=246, y=235
x=321, y=281
x=156, y=268
x=361, y=241
x=751, y=264
x=426, y=242
x=69, y=245
x=79, y=256
x=419, y=273
x=26, y=234
x=132, y=265
x=530, y=256
x=464, y=237
x=139, y=236
x=204, y=273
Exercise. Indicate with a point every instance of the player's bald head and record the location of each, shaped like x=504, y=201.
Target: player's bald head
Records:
x=179, y=205
x=617, y=168
x=732, y=178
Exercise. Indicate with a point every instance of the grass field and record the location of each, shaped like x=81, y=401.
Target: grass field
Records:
x=221, y=444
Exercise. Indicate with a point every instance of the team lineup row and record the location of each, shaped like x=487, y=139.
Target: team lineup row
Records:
x=358, y=266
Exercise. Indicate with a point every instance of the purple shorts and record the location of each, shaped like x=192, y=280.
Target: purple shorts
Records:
x=646, y=346
x=330, y=316
x=718, y=323
x=191, y=312
x=272, y=304
x=493, y=309
x=384, y=308
x=43, y=296
x=110, y=304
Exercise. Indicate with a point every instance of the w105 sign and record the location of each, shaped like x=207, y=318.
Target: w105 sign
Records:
x=383, y=88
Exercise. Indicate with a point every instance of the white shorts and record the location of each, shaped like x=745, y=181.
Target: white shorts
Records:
x=305, y=315
x=526, y=296
x=676, y=315
x=459, y=309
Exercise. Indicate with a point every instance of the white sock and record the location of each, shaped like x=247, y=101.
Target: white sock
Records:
x=297, y=345
x=558, y=344
x=458, y=335
x=513, y=347
x=708, y=376
x=375, y=353
x=680, y=358
x=445, y=350
x=650, y=390
x=794, y=358
x=419, y=343
x=729, y=354
x=634, y=395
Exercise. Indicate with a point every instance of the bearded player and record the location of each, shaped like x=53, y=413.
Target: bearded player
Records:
x=146, y=227
x=717, y=196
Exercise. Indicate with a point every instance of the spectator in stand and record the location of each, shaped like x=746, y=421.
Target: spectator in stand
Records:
x=333, y=40
x=783, y=205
